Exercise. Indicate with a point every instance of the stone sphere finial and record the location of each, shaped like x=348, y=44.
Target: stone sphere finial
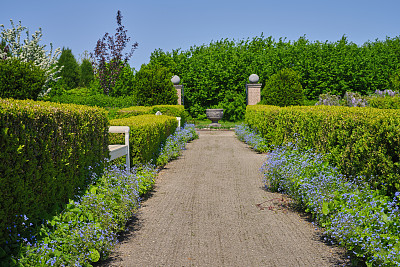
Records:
x=254, y=78
x=176, y=80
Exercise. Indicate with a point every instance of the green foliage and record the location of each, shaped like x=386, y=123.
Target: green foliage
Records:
x=70, y=71
x=125, y=83
x=147, y=134
x=153, y=86
x=86, y=73
x=209, y=72
x=98, y=100
x=395, y=81
x=46, y=151
x=20, y=80
x=359, y=141
x=283, y=89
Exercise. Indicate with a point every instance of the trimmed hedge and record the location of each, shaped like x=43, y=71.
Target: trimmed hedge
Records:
x=359, y=141
x=169, y=110
x=47, y=151
x=386, y=102
x=147, y=134
x=98, y=100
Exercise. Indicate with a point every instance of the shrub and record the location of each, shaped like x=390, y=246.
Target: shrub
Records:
x=20, y=80
x=283, y=89
x=153, y=86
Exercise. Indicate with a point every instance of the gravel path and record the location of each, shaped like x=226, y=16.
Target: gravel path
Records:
x=204, y=212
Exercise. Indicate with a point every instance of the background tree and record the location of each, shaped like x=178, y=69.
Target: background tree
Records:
x=70, y=69
x=29, y=50
x=86, y=73
x=109, y=57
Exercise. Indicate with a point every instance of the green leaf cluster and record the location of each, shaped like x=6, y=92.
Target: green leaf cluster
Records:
x=359, y=141
x=46, y=153
x=20, y=80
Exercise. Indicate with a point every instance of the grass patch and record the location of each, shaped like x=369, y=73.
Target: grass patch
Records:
x=205, y=124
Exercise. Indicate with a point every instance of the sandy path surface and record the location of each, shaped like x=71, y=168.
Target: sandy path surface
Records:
x=204, y=212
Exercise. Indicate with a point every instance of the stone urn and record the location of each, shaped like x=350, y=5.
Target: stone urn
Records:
x=214, y=115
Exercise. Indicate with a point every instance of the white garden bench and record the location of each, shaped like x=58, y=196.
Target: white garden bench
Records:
x=117, y=151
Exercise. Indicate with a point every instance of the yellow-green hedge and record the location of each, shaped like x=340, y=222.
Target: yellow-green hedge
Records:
x=359, y=141
x=46, y=150
x=169, y=110
x=147, y=133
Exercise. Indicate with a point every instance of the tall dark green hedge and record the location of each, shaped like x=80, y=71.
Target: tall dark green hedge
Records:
x=47, y=152
x=20, y=80
x=216, y=74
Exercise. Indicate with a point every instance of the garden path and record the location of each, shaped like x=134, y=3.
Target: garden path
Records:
x=204, y=212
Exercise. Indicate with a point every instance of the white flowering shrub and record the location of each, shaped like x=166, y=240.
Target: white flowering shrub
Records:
x=29, y=50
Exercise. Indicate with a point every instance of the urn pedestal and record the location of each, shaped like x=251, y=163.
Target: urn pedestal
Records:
x=214, y=115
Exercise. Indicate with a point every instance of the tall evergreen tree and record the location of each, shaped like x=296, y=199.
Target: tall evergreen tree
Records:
x=86, y=74
x=70, y=72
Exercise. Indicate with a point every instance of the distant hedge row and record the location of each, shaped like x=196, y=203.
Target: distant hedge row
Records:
x=359, y=141
x=47, y=152
x=215, y=74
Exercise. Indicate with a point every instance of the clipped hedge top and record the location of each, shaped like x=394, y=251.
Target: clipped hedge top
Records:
x=33, y=106
x=355, y=112
x=141, y=120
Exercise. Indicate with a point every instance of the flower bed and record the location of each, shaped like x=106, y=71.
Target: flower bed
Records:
x=352, y=214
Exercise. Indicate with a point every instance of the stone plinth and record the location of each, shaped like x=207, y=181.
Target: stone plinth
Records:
x=179, y=93
x=253, y=93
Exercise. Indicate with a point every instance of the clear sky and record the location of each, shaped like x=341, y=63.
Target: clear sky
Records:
x=177, y=24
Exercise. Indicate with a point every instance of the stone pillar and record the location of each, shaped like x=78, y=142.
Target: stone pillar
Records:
x=253, y=90
x=179, y=89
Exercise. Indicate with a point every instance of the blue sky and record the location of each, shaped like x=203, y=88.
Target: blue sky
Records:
x=180, y=24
